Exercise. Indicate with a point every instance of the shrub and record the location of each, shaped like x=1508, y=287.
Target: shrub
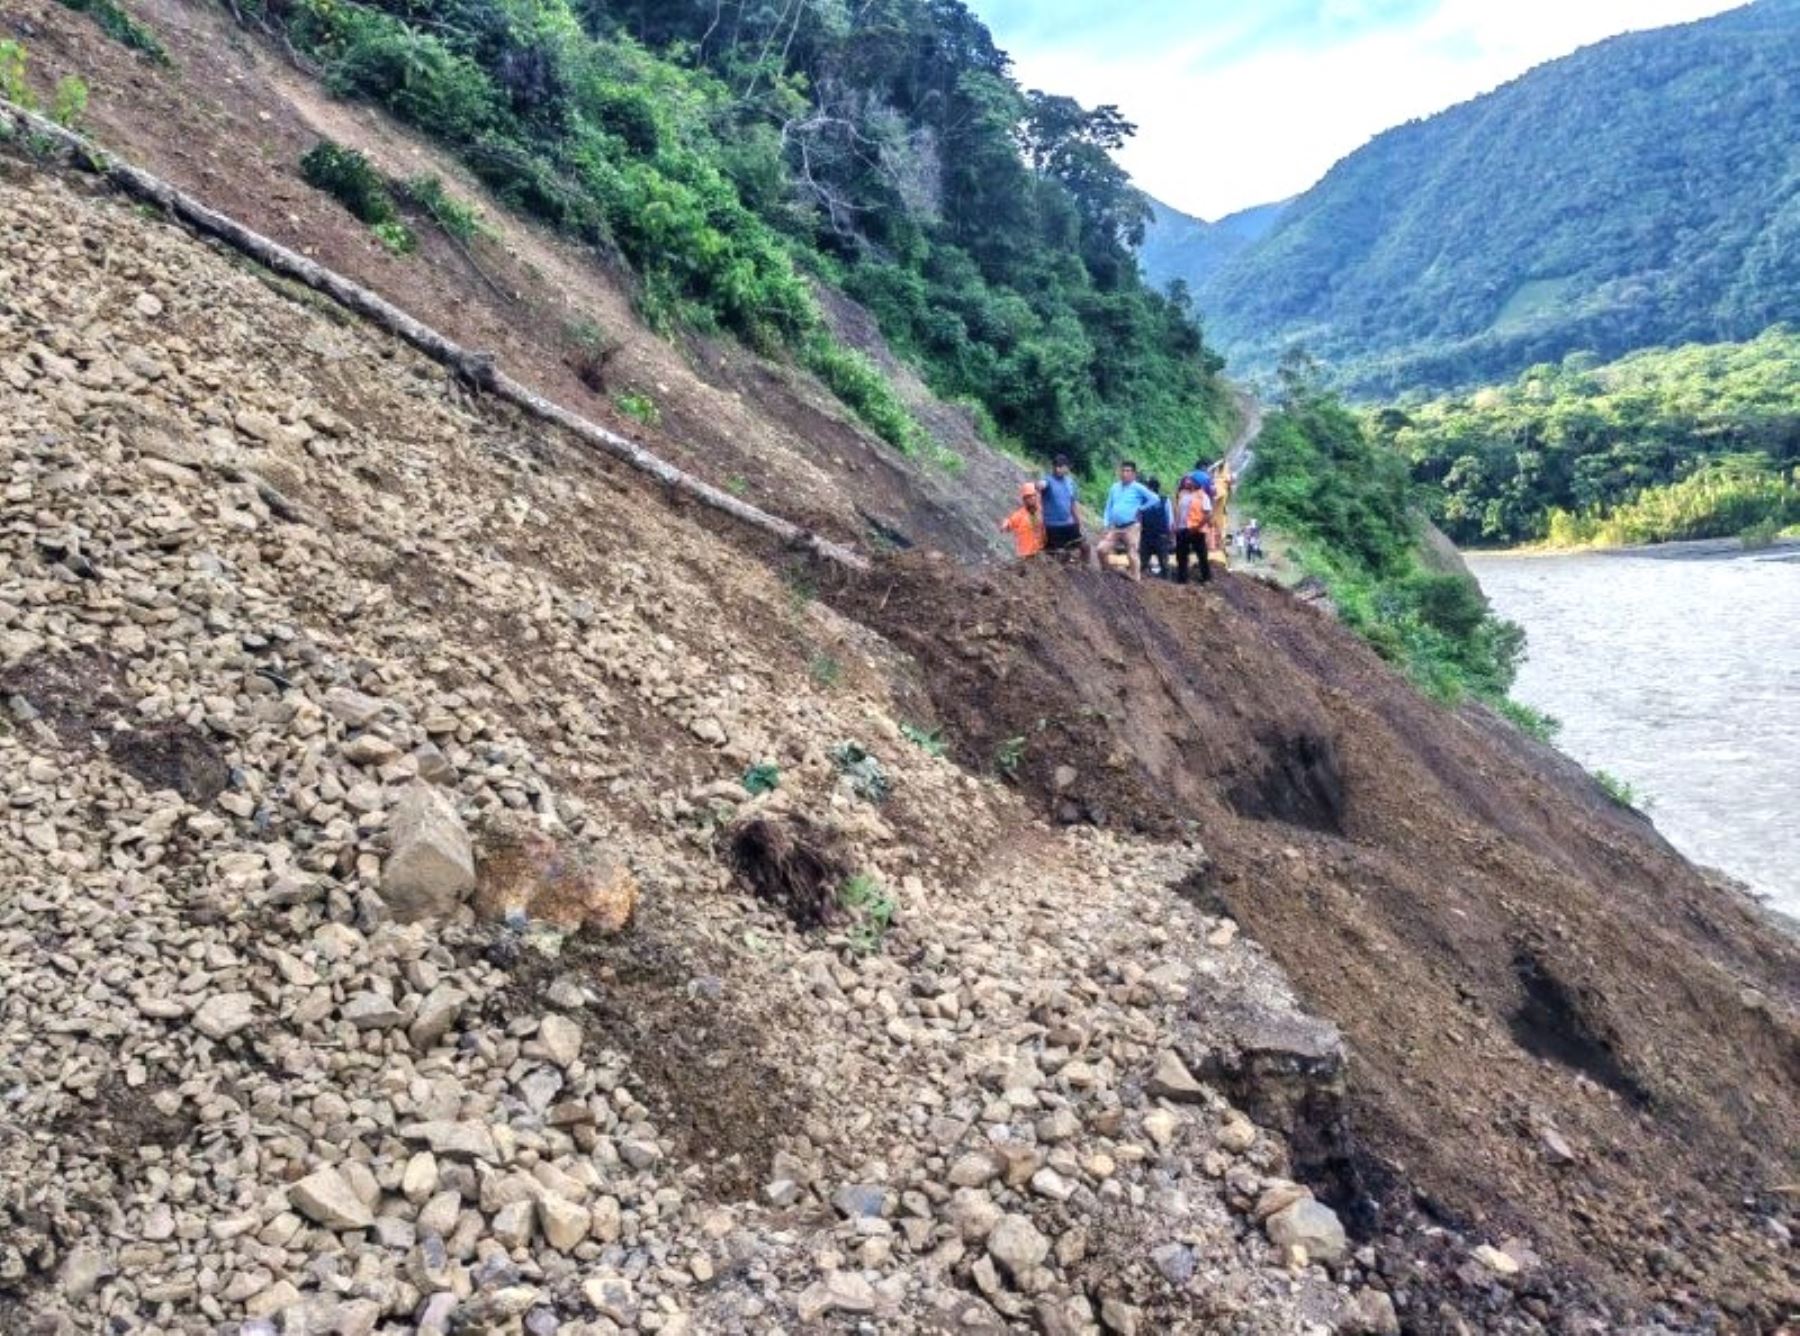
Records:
x=929, y=741
x=349, y=178
x=1537, y=724
x=396, y=236
x=71, y=101
x=12, y=74
x=640, y=407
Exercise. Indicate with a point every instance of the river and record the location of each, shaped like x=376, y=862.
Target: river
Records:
x=1679, y=672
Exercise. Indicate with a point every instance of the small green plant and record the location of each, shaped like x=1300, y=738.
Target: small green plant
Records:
x=802, y=590
x=930, y=741
x=351, y=180
x=461, y=220
x=70, y=103
x=1008, y=756
x=1621, y=792
x=12, y=74
x=762, y=778
x=397, y=237
x=1543, y=727
x=867, y=778
x=638, y=406
x=871, y=909
x=122, y=28
x=824, y=669
x=738, y=485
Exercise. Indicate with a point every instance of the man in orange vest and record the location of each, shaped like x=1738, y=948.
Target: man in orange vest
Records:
x=1026, y=524
x=1193, y=528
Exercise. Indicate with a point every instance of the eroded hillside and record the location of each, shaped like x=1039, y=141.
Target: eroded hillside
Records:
x=268, y=572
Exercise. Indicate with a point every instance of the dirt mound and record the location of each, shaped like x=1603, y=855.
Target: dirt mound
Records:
x=1559, y=1028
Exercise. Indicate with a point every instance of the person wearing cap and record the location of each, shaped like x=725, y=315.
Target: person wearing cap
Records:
x=1062, y=511
x=1026, y=524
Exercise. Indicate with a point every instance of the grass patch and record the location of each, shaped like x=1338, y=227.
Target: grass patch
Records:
x=871, y=909
x=1543, y=727
x=1621, y=792
x=639, y=407
x=930, y=741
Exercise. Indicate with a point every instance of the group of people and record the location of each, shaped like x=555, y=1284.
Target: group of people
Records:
x=1138, y=521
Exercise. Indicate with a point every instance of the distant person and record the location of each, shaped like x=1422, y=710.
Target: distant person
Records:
x=1062, y=511
x=1126, y=503
x=1221, y=499
x=1156, y=537
x=1026, y=524
x=1193, y=530
x=1253, y=540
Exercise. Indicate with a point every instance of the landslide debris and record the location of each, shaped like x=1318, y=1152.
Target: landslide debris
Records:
x=1560, y=1030
x=274, y=1064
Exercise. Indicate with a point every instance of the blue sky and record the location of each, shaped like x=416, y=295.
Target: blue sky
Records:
x=1242, y=102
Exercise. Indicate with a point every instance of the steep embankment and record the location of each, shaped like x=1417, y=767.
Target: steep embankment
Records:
x=281, y=609
x=264, y=569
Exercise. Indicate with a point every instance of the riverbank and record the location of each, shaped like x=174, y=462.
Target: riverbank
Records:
x=1693, y=547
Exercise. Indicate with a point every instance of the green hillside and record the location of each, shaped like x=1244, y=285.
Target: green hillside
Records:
x=734, y=153
x=1644, y=191
x=1695, y=442
x=1181, y=248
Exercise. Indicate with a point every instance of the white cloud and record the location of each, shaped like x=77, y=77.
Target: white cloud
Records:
x=1267, y=125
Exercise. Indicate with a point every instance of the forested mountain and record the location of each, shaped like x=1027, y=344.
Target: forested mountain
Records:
x=730, y=151
x=1643, y=191
x=1694, y=442
x=1180, y=247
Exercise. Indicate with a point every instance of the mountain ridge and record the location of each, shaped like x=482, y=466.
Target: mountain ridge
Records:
x=1638, y=191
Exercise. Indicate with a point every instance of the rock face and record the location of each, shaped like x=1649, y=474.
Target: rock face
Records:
x=431, y=866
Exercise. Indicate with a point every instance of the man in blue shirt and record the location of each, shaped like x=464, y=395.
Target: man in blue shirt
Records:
x=1125, y=505
x=1062, y=511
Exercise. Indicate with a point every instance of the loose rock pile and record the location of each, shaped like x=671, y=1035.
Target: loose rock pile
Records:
x=346, y=721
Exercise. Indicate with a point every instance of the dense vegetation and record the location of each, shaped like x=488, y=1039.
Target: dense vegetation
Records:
x=1639, y=192
x=1349, y=506
x=1695, y=442
x=733, y=151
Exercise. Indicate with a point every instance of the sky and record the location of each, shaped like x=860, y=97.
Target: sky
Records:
x=1242, y=102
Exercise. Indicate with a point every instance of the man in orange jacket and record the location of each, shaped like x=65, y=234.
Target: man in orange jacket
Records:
x=1193, y=528
x=1026, y=524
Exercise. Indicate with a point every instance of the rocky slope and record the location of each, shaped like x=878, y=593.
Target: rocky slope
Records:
x=283, y=618
x=393, y=940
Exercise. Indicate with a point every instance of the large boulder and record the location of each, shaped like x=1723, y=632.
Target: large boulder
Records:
x=430, y=866
x=525, y=872
x=1312, y=1225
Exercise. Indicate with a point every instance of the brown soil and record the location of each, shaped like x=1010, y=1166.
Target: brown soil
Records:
x=1506, y=949
x=229, y=121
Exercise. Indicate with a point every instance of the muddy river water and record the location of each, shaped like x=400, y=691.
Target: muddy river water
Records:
x=1678, y=672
